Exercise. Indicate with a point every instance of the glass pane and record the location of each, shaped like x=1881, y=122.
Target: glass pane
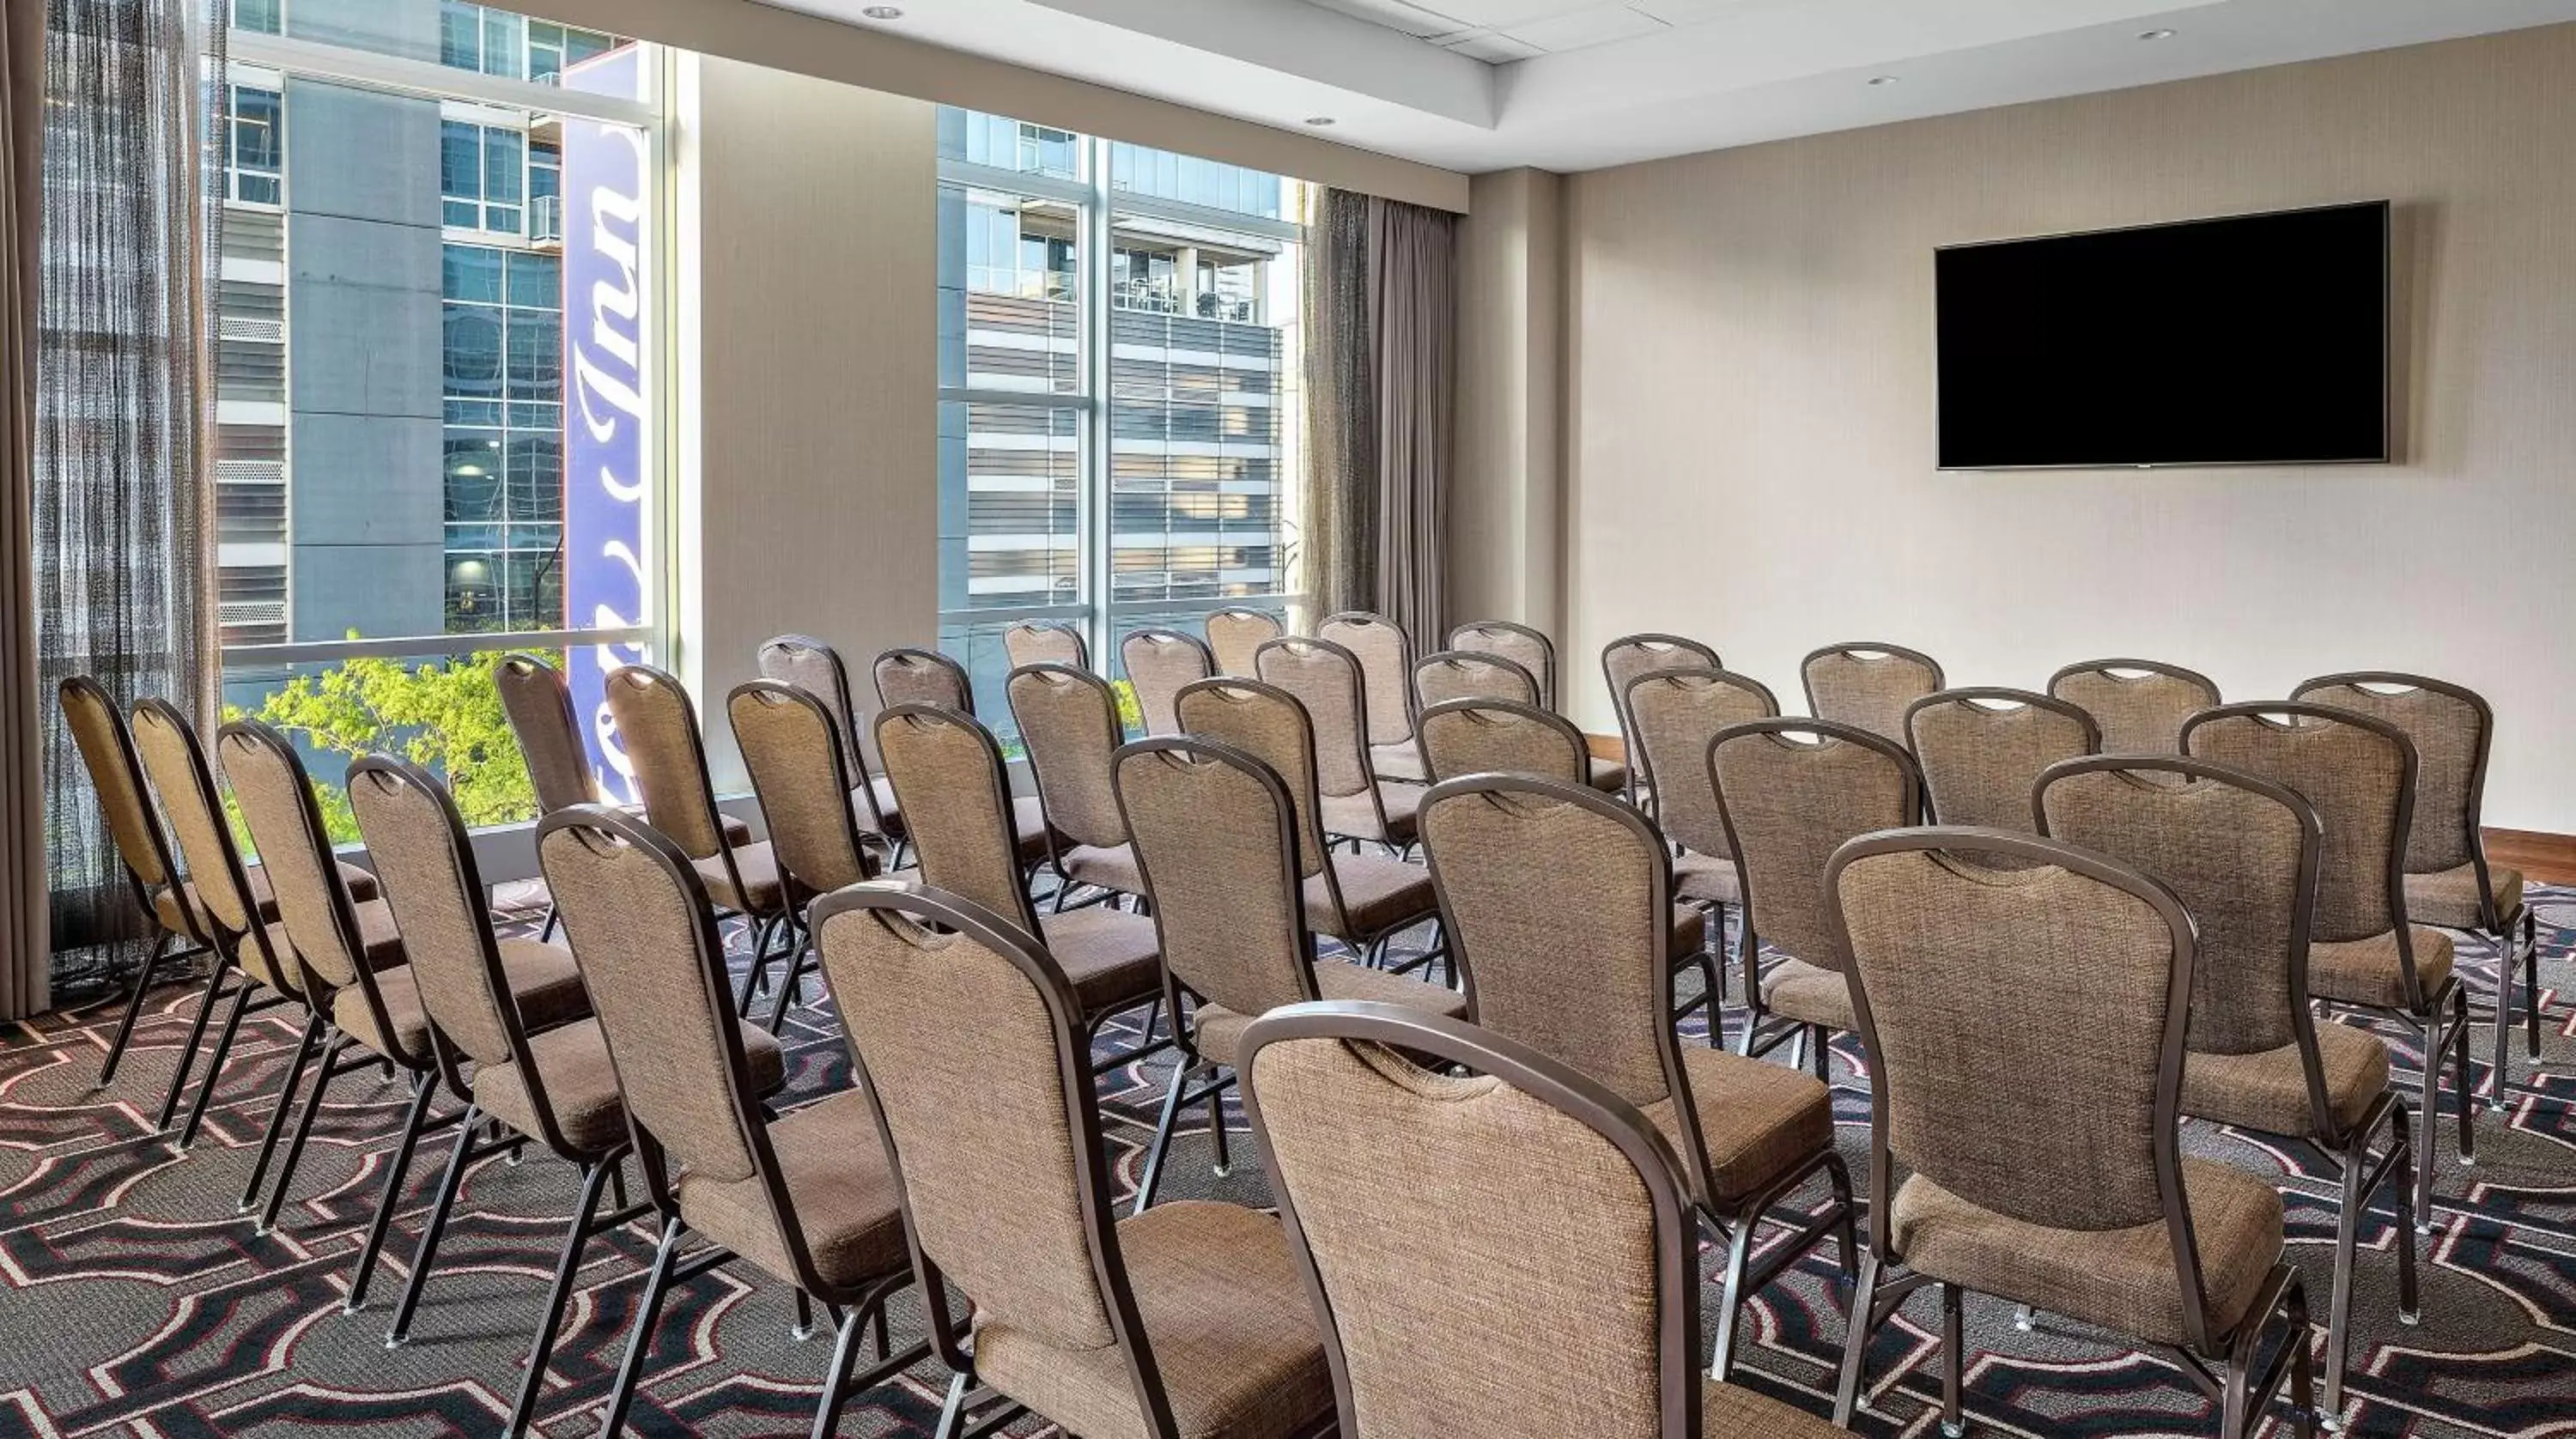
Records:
x=1010, y=281
x=1010, y=488
x=460, y=160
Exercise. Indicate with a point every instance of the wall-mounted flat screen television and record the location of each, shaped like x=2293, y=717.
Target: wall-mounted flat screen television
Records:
x=2252, y=340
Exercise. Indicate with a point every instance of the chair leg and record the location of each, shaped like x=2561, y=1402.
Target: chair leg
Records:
x=395, y=1176
x=952, y=1415
x=2461, y=1081
x=434, y=1228
x=2356, y=1169
x=554, y=921
x=1954, y=1363
x=2431, y=1108
x=303, y=1131
x=1856, y=1338
x=2531, y=982
x=304, y=1049
x=755, y=976
x=1821, y=1056
x=2500, y=1073
x=648, y=1315
x=1216, y=1127
x=161, y=951
x=550, y=1323
x=1838, y=1174
x=1153, y=1171
x=792, y=988
x=1731, y=1298
x=1710, y=973
x=2402, y=1141
x=188, y=1050
x=836, y=1383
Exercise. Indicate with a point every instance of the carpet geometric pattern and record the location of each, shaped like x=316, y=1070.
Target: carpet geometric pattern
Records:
x=133, y=1300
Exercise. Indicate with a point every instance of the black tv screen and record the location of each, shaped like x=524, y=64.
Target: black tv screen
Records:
x=2255, y=340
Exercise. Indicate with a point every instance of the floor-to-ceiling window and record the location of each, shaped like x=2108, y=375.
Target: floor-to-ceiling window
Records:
x=410, y=312
x=1118, y=357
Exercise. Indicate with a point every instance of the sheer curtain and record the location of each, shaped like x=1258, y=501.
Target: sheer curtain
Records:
x=1381, y=388
x=124, y=409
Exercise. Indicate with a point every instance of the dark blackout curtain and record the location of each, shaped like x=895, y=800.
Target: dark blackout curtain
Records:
x=124, y=405
x=23, y=924
x=1381, y=386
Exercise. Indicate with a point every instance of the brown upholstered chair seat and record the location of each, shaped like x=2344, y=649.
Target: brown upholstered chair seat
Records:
x=2448, y=898
x=840, y=1187
x=1218, y=1030
x=1706, y=878
x=1381, y=892
x=2268, y=1090
x=735, y=831
x=2366, y=971
x=1690, y=933
x=1607, y=775
x=361, y=885
x=1759, y=1120
x=758, y=866
x=1399, y=761
x=1110, y=868
x=1028, y=819
x=1227, y=1315
x=2120, y=1279
x=377, y=937
x=1352, y=815
x=1727, y=1412
x=1807, y=993
x=581, y=1084
x=1113, y=958
x=882, y=790
x=542, y=980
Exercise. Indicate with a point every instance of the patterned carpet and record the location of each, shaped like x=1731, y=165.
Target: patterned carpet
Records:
x=134, y=1301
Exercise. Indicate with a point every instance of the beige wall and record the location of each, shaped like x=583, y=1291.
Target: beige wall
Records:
x=1751, y=401
x=809, y=447
x=1504, y=535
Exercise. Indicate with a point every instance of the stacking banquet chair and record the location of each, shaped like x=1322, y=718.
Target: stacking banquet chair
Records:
x=168, y=902
x=1068, y=721
x=1479, y=736
x=2026, y=1028
x=1216, y=833
x=1467, y=675
x=660, y=726
x=1363, y=900
x=1868, y=685
x=1158, y=662
x=1045, y=642
x=949, y=768
x=1523, y=646
x=554, y=1087
x=925, y=677
x=1790, y=791
x=1359, y=1140
x=789, y=742
x=1677, y=715
x=2138, y=704
x=816, y=668
x=1385, y=657
x=365, y=1007
x=1981, y=751
x=1558, y=902
x=1185, y=1320
x=807, y=1197
x=1357, y=805
x=2363, y=951
x=1234, y=635
x=2241, y=853
x=2449, y=883
x=1623, y=662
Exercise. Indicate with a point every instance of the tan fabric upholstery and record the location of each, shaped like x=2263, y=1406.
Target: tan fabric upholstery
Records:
x=166, y=901
x=1112, y=957
x=1674, y=715
x=1490, y=737
x=542, y=980
x=1607, y=775
x=788, y=745
x=437, y=899
x=1706, y=878
x=580, y=1085
x=1326, y=679
x=105, y=751
x=659, y=727
x=760, y=891
x=1270, y=725
x=1867, y=687
x=2449, y=734
x=1759, y=1120
x=816, y=668
x=1032, y=643
x=1385, y=659
x=1523, y=646
x=1158, y=663
x=1069, y=725
x=1227, y=1318
x=1233, y=636
x=1356, y=816
x=1219, y=838
x=1382, y=894
x=2268, y=1090
x=1400, y=761
x=1728, y=1411
x=1790, y=805
x=1465, y=675
x=177, y=769
x=1625, y=661
x=957, y=807
x=539, y=705
x=839, y=1187
x=2139, y=711
x=2356, y=778
x=1795, y=989
x=2450, y=897
x=2122, y=1279
x=2370, y=971
x=378, y=940
x=919, y=677
x=1107, y=868
x=1981, y=757
x=1218, y=1031
x=276, y=802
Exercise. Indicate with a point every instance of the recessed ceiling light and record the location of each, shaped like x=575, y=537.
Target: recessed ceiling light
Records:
x=1885, y=79
x=1319, y=121
x=2155, y=34
x=882, y=12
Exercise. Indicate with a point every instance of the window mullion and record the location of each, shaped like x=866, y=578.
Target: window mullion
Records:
x=1095, y=527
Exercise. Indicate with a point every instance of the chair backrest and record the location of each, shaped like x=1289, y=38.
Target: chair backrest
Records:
x=1358, y=1140
x=285, y=823
x=1867, y=684
x=1385, y=656
x=1068, y=721
x=922, y=677
x=955, y=792
x=2139, y=704
x=1468, y=675
x=166, y=745
x=1216, y=836
x=660, y=725
x=107, y=752
x=1791, y=791
x=1158, y=662
x=1624, y=659
x=1557, y=901
x=425, y=865
x=2240, y=852
x=1045, y=642
x=1981, y=750
x=968, y=1035
x=538, y=702
x=1234, y=635
x=1676, y=715
x=1522, y=645
x=795, y=755
x=1487, y=736
x=2359, y=773
x=816, y=668
x=1326, y=679
x=1269, y=724
x=2452, y=729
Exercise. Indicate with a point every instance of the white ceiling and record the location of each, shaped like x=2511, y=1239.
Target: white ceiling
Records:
x=1478, y=85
